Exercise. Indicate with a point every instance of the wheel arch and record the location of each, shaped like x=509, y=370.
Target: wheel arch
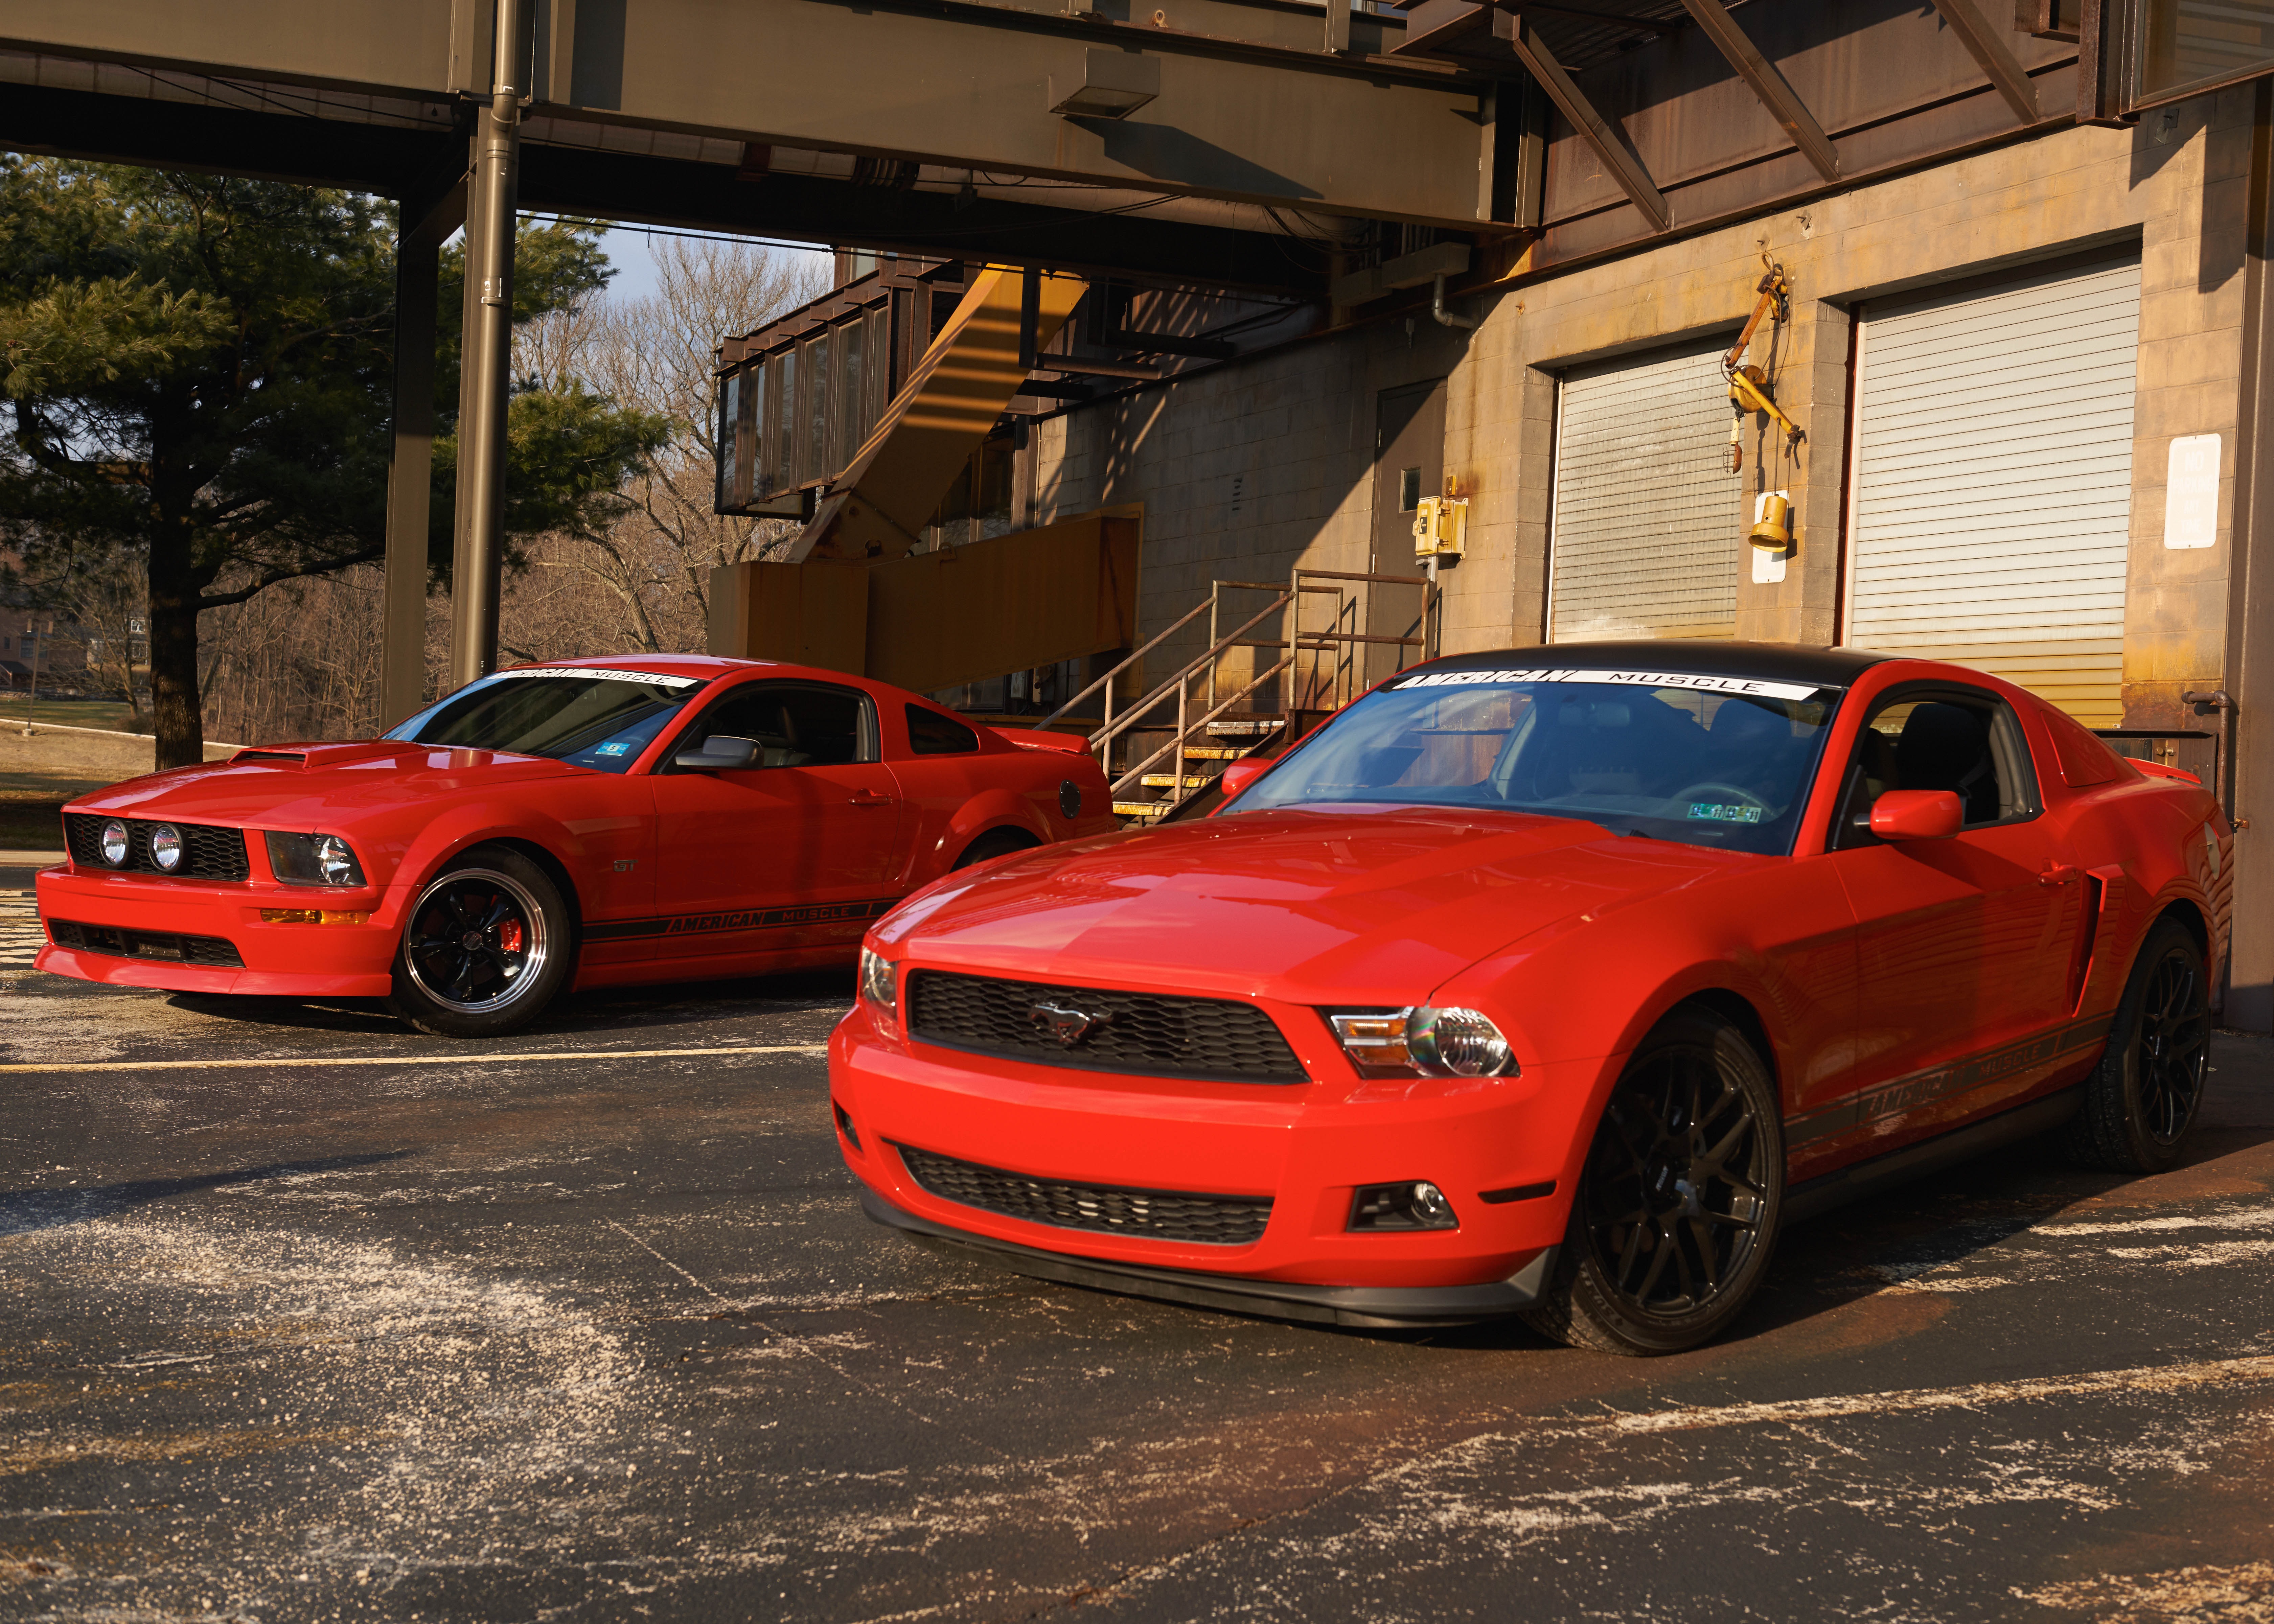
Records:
x=535, y=850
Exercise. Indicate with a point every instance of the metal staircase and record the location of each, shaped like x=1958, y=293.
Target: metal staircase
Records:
x=1246, y=691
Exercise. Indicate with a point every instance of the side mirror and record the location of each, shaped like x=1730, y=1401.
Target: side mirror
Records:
x=1239, y=775
x=1916, y=815
x=720, y=753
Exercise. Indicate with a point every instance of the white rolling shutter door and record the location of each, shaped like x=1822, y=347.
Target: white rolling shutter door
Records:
x=1993, y=483
x=1648, y=538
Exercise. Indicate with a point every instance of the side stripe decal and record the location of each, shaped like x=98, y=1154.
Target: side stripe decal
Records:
x=746, y=919
x=1906, y=1093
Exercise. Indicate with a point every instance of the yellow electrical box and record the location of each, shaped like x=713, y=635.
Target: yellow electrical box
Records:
x=1440, y=525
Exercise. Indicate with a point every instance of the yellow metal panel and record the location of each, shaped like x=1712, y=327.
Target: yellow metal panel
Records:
x=939, y=619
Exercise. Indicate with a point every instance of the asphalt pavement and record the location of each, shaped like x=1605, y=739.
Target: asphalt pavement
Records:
x=305, y=1316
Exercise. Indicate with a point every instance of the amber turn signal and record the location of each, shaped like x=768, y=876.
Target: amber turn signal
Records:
x=314, y=916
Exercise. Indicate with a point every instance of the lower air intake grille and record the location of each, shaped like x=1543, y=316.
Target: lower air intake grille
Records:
x=118, y=942
x=1147, y=1033
x=1158, y=1214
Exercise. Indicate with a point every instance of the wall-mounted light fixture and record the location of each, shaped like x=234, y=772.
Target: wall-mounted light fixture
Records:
x=1108, y=84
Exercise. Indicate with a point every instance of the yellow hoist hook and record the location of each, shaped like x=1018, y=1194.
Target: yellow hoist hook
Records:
x=1749, y=386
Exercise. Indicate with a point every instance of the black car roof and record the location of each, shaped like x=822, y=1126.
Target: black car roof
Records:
x=1787, y=662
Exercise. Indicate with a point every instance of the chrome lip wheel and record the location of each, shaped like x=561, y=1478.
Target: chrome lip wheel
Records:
x=1678, y=1188
x=2174, y=1050
x=476, y=941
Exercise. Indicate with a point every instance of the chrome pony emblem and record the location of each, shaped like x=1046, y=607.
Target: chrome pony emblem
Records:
x=1069, y=1025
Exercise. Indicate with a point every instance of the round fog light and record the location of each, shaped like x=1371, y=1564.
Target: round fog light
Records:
x=1410, y=1204
x=166, y=847
x=114, y=844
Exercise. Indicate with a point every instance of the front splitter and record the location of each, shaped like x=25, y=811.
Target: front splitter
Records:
x=1372, y=1307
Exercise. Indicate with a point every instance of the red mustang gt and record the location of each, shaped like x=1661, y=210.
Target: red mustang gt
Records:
x=1546, y=990
x=655, y=818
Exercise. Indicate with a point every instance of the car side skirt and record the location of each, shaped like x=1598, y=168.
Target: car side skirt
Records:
x=1372, y=1307
x=1814, y=1197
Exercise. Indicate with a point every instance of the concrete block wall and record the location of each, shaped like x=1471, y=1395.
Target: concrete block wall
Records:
x=1246, y=471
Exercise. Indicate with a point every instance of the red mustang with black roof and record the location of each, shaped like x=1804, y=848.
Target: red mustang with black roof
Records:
x=1551, y=981
x=658, y=817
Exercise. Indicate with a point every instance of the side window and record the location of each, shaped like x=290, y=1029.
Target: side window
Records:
x=931, y=733
x=793, y=724
x=1959, y=739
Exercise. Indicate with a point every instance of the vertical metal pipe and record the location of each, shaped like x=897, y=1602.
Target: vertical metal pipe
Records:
x=488, y=355
x=410, y=472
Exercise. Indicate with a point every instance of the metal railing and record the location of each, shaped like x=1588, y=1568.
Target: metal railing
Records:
x=1202, y=674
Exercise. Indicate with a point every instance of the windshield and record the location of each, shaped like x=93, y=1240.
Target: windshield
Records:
x=601, y=719
x=1707, y=760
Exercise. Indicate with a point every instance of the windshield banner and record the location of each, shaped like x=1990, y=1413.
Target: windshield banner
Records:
x=601, y=671
x=1749, y=686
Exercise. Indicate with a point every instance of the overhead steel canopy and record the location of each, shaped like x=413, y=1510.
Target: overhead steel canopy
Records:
x=1266, y=126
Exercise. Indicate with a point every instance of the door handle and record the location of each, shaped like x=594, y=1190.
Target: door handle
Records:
x=2060, y=874
x=869, y=798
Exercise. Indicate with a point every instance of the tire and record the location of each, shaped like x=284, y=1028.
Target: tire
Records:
x=1677, y=1209
x=484, y=948
x=995, y=843
x=2143, y=1099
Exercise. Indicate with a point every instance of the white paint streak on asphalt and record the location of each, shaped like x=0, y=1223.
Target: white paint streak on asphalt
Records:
x=514, y=1056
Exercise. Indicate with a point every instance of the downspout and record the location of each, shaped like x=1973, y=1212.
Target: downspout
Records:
x=1445, y=318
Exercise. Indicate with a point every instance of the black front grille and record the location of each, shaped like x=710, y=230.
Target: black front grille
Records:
x=209, y=852
x=122, y=942
x=1158, y=1214
x=1147, y=1033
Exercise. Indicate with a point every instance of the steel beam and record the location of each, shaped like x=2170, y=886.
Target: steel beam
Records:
x=1251, y=109
x=485, y=378
x=1624, y=167
x=1987, y=46
x=410, y=455
x=1760, y=75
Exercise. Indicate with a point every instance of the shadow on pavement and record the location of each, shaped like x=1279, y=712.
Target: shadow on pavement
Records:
x=23, y=1211
x=606, y=1009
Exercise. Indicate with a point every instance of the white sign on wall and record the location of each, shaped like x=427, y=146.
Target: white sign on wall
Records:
x=2191, y=493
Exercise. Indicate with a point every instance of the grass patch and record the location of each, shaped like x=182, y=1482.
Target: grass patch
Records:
x=102, y=713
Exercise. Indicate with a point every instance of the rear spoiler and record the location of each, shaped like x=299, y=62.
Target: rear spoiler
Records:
x=1028, y=739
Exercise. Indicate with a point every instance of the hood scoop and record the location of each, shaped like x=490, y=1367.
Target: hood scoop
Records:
x=323, y=754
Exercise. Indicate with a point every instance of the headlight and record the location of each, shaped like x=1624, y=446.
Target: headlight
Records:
x=114, y=844
x=1423, y=1041
x=312, y=860
x=878, y=981
x=166, y=847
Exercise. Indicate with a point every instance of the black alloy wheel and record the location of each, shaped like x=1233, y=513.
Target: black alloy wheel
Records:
x=1676, y=1211
x=485, y=947
x=2142, y=1100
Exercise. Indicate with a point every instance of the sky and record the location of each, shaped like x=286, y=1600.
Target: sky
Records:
x=635, y=277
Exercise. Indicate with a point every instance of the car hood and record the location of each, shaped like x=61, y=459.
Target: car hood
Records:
x=312, y=787
x=1375, y=906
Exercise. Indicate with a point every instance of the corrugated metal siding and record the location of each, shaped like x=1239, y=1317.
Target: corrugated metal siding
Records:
x=1994, y=483
x=1647, y=539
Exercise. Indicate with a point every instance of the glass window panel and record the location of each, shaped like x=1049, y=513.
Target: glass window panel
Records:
x=813, y=438
x=755, y=410
x=853, y=398
x=2186, y=42
x=782, y=431
x=730, y=417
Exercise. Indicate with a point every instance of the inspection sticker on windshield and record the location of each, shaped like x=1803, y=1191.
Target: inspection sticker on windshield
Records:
x=599, y=671
x=621, y=748
x=1751, y=686
x=1724, y=812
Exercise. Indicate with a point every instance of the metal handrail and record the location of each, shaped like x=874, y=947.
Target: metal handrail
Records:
x=1104, y=736
x=1178, y=743
x=1178, y=625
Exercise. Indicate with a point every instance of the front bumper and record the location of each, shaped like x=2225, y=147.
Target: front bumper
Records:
x=297, y=960
x=1371, y=1307
x=1307, y=1148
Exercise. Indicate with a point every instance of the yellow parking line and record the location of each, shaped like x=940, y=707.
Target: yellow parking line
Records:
x=351, y=1060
